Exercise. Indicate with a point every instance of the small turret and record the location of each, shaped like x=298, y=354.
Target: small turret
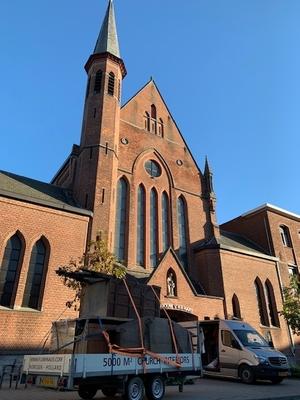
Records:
x=209, y=195
x=208, y=177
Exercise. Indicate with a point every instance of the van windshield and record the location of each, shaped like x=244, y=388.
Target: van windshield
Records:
x=250, y=338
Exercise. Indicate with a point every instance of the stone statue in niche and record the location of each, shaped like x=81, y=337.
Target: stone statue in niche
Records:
x=171, y=285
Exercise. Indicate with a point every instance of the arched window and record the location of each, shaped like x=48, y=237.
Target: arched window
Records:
x=160, y=127
x=140, y=242
x=111, y=84
x=88, y=87
x=147, y=121
x=98, y=82
x=273, y=313
x=153, y=119
x=153, y=228
x=165, y=221
x=182, y=231
x=236, y=311
x=9, y=270
x=261, y=302
x=171, y=283
x=153, y=111
x=285, y=236
x=121, y=219
x=36, y=276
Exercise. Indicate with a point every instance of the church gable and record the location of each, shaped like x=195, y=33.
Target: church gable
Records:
x=148, y=112
x=172, y=279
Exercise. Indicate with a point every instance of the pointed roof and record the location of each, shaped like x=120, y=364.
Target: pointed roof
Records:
x=107, y=41
x=207, y=169
x=152, y=82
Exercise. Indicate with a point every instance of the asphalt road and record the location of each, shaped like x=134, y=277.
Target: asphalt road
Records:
x=203, y=389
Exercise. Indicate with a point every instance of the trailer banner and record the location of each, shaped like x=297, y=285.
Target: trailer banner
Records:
x=111, y=364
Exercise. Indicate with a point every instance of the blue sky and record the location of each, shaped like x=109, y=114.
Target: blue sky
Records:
x=228, y=69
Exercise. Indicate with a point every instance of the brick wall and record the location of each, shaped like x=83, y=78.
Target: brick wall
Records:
x=239, y=274
x=23, y=329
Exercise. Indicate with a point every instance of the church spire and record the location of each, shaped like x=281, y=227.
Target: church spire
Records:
x=107, y=41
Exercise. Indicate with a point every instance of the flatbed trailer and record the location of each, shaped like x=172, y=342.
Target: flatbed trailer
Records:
x=132, y=372
x=112, y=373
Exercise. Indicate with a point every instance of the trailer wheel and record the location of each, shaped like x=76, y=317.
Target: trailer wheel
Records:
x=155, y=388
x=87, y=392
x=109, y=391
x=135, y=389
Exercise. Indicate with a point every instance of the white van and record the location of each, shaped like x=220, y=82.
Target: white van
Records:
x=235, y=349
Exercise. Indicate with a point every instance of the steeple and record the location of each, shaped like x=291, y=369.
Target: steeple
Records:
x=107, y=45
x=100, y=134
x=107, y=41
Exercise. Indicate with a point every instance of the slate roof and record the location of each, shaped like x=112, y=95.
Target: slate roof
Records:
x=108, y=39
x=233, y=241
x=33, y=191
x=241, y=242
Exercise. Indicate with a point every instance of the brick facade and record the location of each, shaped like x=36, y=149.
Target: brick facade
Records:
x=262, y=225
x=24, y=329
x=116, y=142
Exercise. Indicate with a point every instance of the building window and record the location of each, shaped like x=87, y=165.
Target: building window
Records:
x=153, y=228
x=98, y=82
x=140, y=250
x=9, y=270
x=152, y=123
x=285, y=236
x=236, y=311
x=161, y=128
x=147, y=121
x=182, y=231
x=36, y=276
x=171, y=283
x=111, y=84
x=293, y=270
x=261, y=302
x=165, y=221
x=153, y=168
x=121, y=219
x=153, y=119
x=273, y=313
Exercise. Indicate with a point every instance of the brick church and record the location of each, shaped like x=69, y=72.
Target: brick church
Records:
x=133, y=178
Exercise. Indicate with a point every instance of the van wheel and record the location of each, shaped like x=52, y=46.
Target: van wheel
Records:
x=276, y=380
x=135, y=389
x=155, y=388
x=246, y=374
x=109, y=391
x=87, y=392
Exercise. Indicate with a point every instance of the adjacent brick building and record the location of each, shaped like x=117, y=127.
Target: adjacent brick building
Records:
x=134, y=179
